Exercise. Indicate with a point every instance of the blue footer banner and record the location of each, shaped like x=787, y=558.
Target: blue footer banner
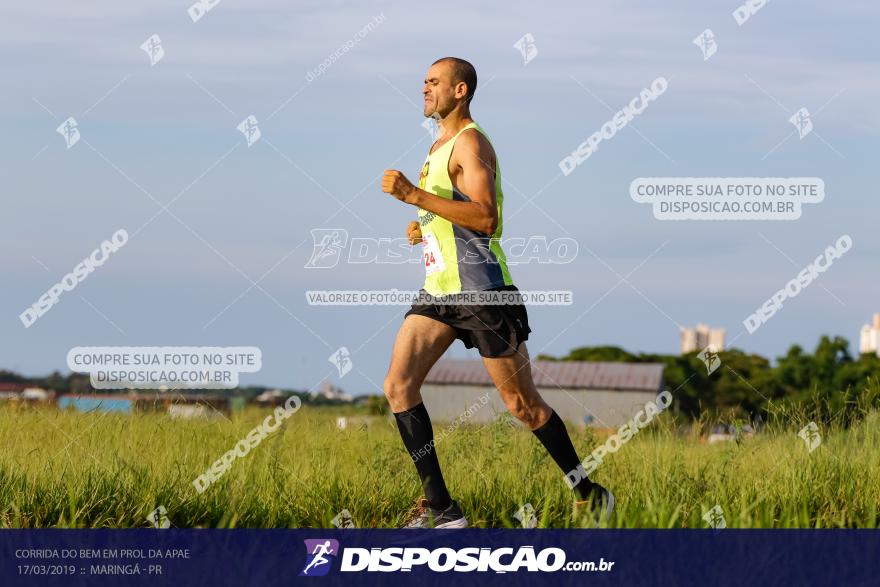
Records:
x=266, y=558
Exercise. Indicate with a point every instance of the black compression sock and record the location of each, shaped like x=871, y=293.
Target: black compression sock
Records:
x=418, y=438
x=555, y=439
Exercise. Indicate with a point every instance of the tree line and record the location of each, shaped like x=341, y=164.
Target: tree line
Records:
x=829, y=383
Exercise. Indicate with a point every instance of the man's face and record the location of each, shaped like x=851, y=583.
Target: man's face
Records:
x=439, y=90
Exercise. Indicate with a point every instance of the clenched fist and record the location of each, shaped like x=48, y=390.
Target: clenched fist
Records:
x=414, y=233
x=395, y=183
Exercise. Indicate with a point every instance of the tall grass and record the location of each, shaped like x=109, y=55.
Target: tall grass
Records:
x=110, y=470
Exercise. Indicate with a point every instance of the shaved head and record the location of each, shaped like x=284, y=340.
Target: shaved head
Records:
x=462, y=71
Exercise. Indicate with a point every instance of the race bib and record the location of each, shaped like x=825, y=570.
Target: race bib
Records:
x=431, y=254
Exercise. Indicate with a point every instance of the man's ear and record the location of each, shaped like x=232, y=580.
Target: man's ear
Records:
x=461, y=90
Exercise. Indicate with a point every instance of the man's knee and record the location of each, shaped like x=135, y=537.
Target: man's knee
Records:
x=393, y=387
x=399, y=392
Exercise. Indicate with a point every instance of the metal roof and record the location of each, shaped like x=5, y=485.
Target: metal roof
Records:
x=565, y=374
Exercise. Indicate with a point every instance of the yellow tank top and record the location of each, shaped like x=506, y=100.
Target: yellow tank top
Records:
x=456, y=258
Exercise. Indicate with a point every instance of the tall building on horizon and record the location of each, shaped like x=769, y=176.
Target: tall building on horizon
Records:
x=696, y=339
x=869, y=337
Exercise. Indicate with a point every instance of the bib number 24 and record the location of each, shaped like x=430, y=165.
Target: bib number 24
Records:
x=431, y=254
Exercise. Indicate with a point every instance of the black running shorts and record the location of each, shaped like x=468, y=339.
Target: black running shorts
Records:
x=495, y=330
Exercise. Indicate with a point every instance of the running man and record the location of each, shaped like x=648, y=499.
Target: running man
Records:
x=459, y=201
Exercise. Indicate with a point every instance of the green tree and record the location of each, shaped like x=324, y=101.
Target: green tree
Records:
x=601, y=353
x=11, y=377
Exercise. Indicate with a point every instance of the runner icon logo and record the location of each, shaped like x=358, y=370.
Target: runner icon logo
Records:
x=319, y=556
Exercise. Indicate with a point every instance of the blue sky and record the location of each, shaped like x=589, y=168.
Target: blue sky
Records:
x=244, y=213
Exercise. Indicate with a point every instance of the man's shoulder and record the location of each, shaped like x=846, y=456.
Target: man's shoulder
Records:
x=474, y=134
x=473, y=142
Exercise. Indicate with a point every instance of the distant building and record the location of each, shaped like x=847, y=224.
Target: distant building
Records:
x=271, y=396
x=696, y=339
x=583, y=393
x=97, y=402
x=177, y=405
x=25, y=392
x=869, y=337
x=329, y=391
x=10, y=390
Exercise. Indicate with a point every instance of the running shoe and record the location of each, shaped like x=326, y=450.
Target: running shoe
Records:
x=423, y=516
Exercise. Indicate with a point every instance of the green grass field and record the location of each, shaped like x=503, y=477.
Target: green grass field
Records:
x=64, y=469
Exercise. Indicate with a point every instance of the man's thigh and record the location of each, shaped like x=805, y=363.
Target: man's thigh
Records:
x=420, y=342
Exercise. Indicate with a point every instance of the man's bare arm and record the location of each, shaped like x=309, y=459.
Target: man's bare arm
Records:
x=474, y=161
